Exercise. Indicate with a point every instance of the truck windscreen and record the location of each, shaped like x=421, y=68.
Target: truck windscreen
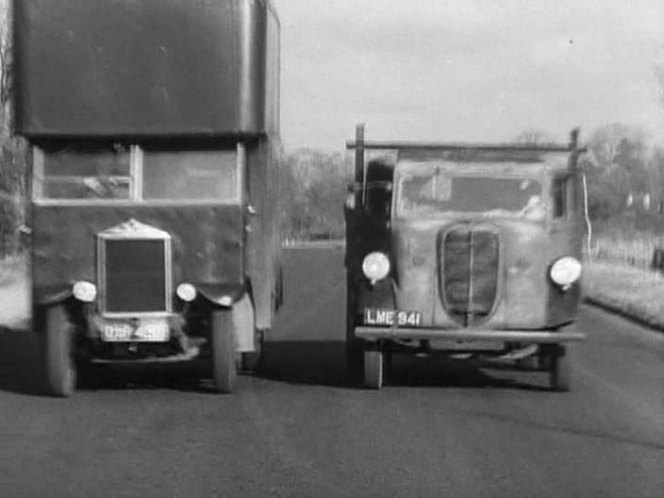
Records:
x=91, y=171
x=102, y=173
x=210, y=175
x=426, y=195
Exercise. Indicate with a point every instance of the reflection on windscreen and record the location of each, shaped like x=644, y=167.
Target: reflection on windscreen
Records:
x=421, y=195
x=190, y=175
x=94, y=172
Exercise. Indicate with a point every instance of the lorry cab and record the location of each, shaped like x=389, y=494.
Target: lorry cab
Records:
x=479, y=252
x=154, y=132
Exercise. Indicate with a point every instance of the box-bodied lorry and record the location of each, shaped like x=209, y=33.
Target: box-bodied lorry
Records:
x=154, y=131
x=464, y=250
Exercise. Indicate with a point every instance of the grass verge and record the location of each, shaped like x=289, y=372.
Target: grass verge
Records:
x=633, y=292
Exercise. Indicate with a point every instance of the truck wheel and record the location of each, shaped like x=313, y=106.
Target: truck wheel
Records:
x=251, y=361
x=388, y=360
x=58, y=343
x=373, y=369
x=560, y=372
x=354, y=345
x=224, y=368
x=354, y=354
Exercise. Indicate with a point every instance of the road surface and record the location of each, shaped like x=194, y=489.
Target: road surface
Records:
x=300, y=429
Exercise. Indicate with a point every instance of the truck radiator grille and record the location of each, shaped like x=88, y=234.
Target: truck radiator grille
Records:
x=468, y=273
x=134, y=276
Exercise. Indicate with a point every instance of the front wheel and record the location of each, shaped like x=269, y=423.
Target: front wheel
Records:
x=373, y=368
x=58, y=352
x=354, y=355
x=251, y=361
x=354, y=345
x=224, y=368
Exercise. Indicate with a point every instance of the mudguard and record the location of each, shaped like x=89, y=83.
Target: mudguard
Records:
x=236, y=299
x=223, y=295
x=52, y=294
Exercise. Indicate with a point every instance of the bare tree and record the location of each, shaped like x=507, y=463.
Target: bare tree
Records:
x=6, y=73
x=13, y=150
x=606, y=142
x=314, y=186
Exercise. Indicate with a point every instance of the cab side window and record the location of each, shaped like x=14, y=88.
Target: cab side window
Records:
x=379, y=176
x=379, y=199
x=561, y=197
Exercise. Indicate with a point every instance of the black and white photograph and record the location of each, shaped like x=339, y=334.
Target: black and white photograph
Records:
x=331, y=248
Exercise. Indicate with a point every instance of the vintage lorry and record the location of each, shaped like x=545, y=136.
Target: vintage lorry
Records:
x=154, y=130
x=464, y=249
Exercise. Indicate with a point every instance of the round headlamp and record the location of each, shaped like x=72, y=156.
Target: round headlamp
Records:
x=566, y=271
x=85, y=291
x=376, y=266
x=186, y=292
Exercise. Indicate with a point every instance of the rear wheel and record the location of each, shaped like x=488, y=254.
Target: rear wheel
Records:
x=534, y=361
x=224, y=368
x=373, y=368
x=59, y=349
x=560, y=372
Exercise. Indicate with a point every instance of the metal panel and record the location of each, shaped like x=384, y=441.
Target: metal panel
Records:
x=206, y=241
x=148, y=68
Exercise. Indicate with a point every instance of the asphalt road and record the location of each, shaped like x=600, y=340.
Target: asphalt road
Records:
x=300, y=429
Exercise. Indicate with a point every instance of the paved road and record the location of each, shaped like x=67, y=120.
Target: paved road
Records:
x=440, y=429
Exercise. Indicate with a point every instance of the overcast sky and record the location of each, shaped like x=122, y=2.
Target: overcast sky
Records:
x=467, y=69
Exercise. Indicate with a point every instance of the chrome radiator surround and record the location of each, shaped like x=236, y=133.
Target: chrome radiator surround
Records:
x=133, y=231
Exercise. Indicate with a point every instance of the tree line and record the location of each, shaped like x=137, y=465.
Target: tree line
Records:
x=13, y=150
x=625, y=178
x=624, y=173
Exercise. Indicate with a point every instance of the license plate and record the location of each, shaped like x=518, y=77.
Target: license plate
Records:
x=145, y=331
x=391, y=318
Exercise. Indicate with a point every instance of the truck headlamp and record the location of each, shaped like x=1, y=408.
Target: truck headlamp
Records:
x=186, y=292
x=565, y=271
x=85, y=291
x=376, y=266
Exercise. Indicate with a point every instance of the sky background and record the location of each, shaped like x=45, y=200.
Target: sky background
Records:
x=468, y=70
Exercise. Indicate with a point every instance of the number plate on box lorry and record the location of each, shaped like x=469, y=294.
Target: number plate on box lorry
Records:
x=144, y=331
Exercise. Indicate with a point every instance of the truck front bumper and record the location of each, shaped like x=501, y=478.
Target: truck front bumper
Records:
x=564, y=334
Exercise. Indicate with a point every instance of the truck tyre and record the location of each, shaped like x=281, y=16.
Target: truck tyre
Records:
x=560, y=369
x=354, y=345
x=373, y=369
x=224, y=367
x=354, y=353
x=251, y=362
x=58, y=352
